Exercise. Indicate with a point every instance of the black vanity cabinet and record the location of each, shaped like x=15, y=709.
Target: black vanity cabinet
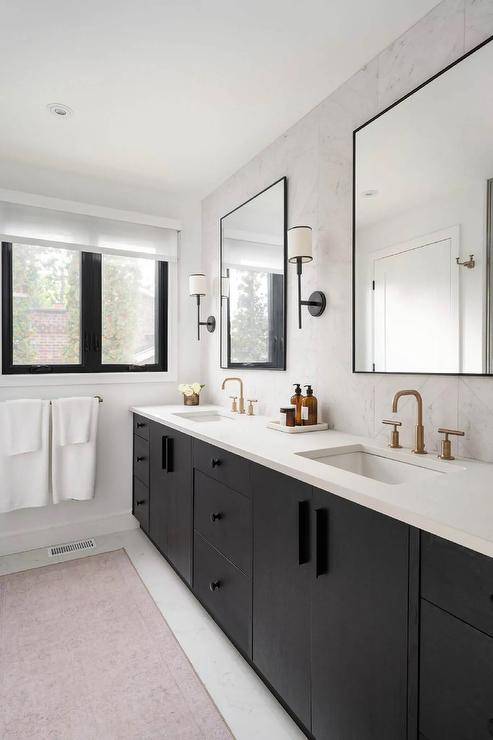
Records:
x=281, y=586
x=171, y=495
x=456, y=645
x=362, y=626
x=359, y=622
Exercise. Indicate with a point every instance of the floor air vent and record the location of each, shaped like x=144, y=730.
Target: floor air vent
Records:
x=71, y=547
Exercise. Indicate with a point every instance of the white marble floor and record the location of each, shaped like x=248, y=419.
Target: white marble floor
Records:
x=245, y=703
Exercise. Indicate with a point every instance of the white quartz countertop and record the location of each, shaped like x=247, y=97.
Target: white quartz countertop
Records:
x=457, y=506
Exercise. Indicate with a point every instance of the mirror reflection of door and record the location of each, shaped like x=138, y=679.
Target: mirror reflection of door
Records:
x=416, y=306
x=253, y=282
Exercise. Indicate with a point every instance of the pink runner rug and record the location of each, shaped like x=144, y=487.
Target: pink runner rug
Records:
x=85, y=654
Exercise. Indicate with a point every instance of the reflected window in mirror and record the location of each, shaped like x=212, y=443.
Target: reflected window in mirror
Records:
x=422, y=228
x=253, y=282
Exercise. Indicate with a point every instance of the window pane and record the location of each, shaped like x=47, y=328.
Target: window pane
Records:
x=45, y=305
x=128, y=311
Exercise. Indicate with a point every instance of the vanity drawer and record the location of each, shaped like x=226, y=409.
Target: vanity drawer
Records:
x=456, y=678
x=141, y=426
x=225, y=467
x=141, y=459
x=225, y=591
x=140, y=508
x=223, y=517
x=458, y=580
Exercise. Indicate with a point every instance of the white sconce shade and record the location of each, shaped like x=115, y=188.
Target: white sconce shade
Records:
x=300, y=244
x=197, y=284
x=225, y=287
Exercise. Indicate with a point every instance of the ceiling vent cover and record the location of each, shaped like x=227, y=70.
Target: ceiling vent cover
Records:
x=71, y=547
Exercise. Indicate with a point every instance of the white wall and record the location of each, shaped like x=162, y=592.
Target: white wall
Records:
x=111, y=506
x=316, y=156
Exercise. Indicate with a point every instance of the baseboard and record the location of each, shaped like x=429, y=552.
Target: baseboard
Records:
x=61, y=533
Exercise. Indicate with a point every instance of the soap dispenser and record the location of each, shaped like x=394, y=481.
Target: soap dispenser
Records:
x=297, y=400
x=309, y=407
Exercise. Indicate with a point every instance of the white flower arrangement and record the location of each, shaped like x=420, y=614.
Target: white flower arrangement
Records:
x=189, y=389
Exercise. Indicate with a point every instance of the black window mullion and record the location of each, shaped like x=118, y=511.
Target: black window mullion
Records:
x=91, y=311
x=161, y=335
x=7, y=312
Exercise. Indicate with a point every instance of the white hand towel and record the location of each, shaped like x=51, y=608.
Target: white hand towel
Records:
x=25, y=478
x=74, y=465
x=72, y=419
x=22, y=420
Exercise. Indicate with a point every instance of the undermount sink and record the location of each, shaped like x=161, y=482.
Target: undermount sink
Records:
x=374, y=464
x=204, y=416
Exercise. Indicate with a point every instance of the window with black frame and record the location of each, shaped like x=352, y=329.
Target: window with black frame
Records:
x=68, y=311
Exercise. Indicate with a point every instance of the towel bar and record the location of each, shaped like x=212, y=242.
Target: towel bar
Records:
x=100, y=399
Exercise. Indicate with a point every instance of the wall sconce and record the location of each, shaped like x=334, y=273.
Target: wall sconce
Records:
x=225, y=286
x=299, y=251
x=197, y=287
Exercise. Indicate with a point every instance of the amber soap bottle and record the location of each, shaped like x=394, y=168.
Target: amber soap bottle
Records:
x=297, y=400
x=309, y=407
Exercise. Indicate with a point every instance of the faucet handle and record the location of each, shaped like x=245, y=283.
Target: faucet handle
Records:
x=251, y=401
x=446, y=451
x=234, y=405
x=394, y=435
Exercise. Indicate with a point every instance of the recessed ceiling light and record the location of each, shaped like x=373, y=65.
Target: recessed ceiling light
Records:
x=60, y=110
x=369, y=193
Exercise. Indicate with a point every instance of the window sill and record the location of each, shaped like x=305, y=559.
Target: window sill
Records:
x=35, y=381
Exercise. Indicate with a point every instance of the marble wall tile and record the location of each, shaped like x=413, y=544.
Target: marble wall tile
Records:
x=430, y=45
x=478, y=22
x=476, y=417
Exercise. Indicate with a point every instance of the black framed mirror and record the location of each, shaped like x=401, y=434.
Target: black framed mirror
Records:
x=253, y=281
x=422, y=237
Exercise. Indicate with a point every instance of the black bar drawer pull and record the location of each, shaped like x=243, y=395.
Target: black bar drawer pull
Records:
x=140, y=459
x=215, y=462
x=303, y=532
x=214, y=585
x=141, y=502
x=141, y=424
x=166, y=461
x=216, y=516
x=322, y=542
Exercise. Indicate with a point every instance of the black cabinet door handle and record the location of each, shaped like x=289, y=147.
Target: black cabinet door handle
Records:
x=141, y=424
x=322, y=542
x=215, y=462
x=216, y=516
x=303, y=532
x=141, y=502
x=140, y=459
x=214, y=585
x=166, y=454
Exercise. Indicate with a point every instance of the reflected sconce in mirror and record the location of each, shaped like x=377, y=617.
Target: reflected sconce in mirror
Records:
x=197, y=288
x=225, y=286
x=300, y=251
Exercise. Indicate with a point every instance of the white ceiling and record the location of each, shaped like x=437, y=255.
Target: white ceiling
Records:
x=174, y=95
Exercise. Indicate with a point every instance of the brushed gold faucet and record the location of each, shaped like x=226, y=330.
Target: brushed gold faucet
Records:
x=241, y=408
x=420, y=430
